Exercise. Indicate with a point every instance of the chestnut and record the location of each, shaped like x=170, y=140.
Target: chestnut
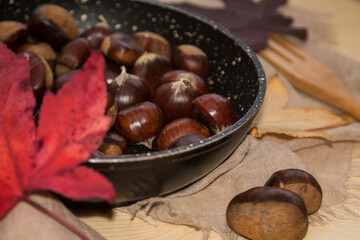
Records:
x=72, y=56
x=53, y=24
x=175, y=99
x=111, y=107
x=111, y=71
x=113, y=145
x=121, y=48
x=155, y=43
x=268, y=213
x=215, y=111
x=128, y=90
x=191, y=58
x=13, y=33
x=178, y=128
x=197, y=83
x=96, y=34
x=300, y=182
x=150, y=67
x=186, y=140
x=140, y=124
x=41, y=76
x=42, y=49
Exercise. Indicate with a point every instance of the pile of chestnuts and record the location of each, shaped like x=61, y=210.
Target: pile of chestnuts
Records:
x=278, y=210
x=158, y=94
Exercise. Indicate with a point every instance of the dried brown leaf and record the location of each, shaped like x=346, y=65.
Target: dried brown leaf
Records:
x=300, y=122
x=276, y=96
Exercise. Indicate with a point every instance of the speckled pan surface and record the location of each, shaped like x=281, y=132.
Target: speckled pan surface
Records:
x=235, y=73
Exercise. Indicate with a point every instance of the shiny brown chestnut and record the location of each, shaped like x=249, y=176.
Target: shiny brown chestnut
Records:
x=41, y=76
x=155, y=43
x=96, y=34
x=191, y=58
x=112, y=70
x=121, y=48
x=197, y=83
x=140, y=124
x=128, y=90
x=150, y=67
x=53, y=24
x=186, y=140
x=178, y=128
x=113, y=145
x=72, y=56
x=300, y=182
x=175, y=99
x=42, y=49
x=268, y=213
x=215, y=111
x=13, y=33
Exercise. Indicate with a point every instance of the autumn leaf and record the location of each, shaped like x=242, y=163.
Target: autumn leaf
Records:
x=251, y=20
x=71, y=125
x=299, y=122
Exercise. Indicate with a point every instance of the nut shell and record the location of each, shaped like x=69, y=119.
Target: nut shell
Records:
x=179, y=128
x=191, y=58
x=186, y=140
x=121, y=48
x=113, y=145
x=128, y=90
x=96, y=34
x=72, y=56
x=42, y=49
x=150, y=67
x=155, y=43
x=13, y=33
x=53, y=24
x=140, y=124
x=268, y=213
x=300, y=182
x=41, y=76
x=215, y=111
x=198, y=84
x=175, y=99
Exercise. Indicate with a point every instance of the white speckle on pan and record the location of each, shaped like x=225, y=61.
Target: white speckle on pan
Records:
x=233, y=63
x=84, y=1
x=11, y=2
x=134, y=28
x=148, y=154
x=18, y=11
x=153, y=19
x=171, y=26
x=239, y=59
x=71, y=12
x=98, y=3
x=117, y=5
x=222, y=72
x=173, y=21
x=83, y=17
x=117, y=26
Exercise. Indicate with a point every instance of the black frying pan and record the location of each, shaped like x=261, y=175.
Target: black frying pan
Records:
x=235, y=73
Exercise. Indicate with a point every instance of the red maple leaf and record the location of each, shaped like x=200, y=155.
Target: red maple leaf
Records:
x=71, y=125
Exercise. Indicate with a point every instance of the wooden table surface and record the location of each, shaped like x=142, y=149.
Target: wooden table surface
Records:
x=345, y=17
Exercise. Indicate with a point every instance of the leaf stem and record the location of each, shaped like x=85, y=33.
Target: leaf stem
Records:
x=56, y=218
